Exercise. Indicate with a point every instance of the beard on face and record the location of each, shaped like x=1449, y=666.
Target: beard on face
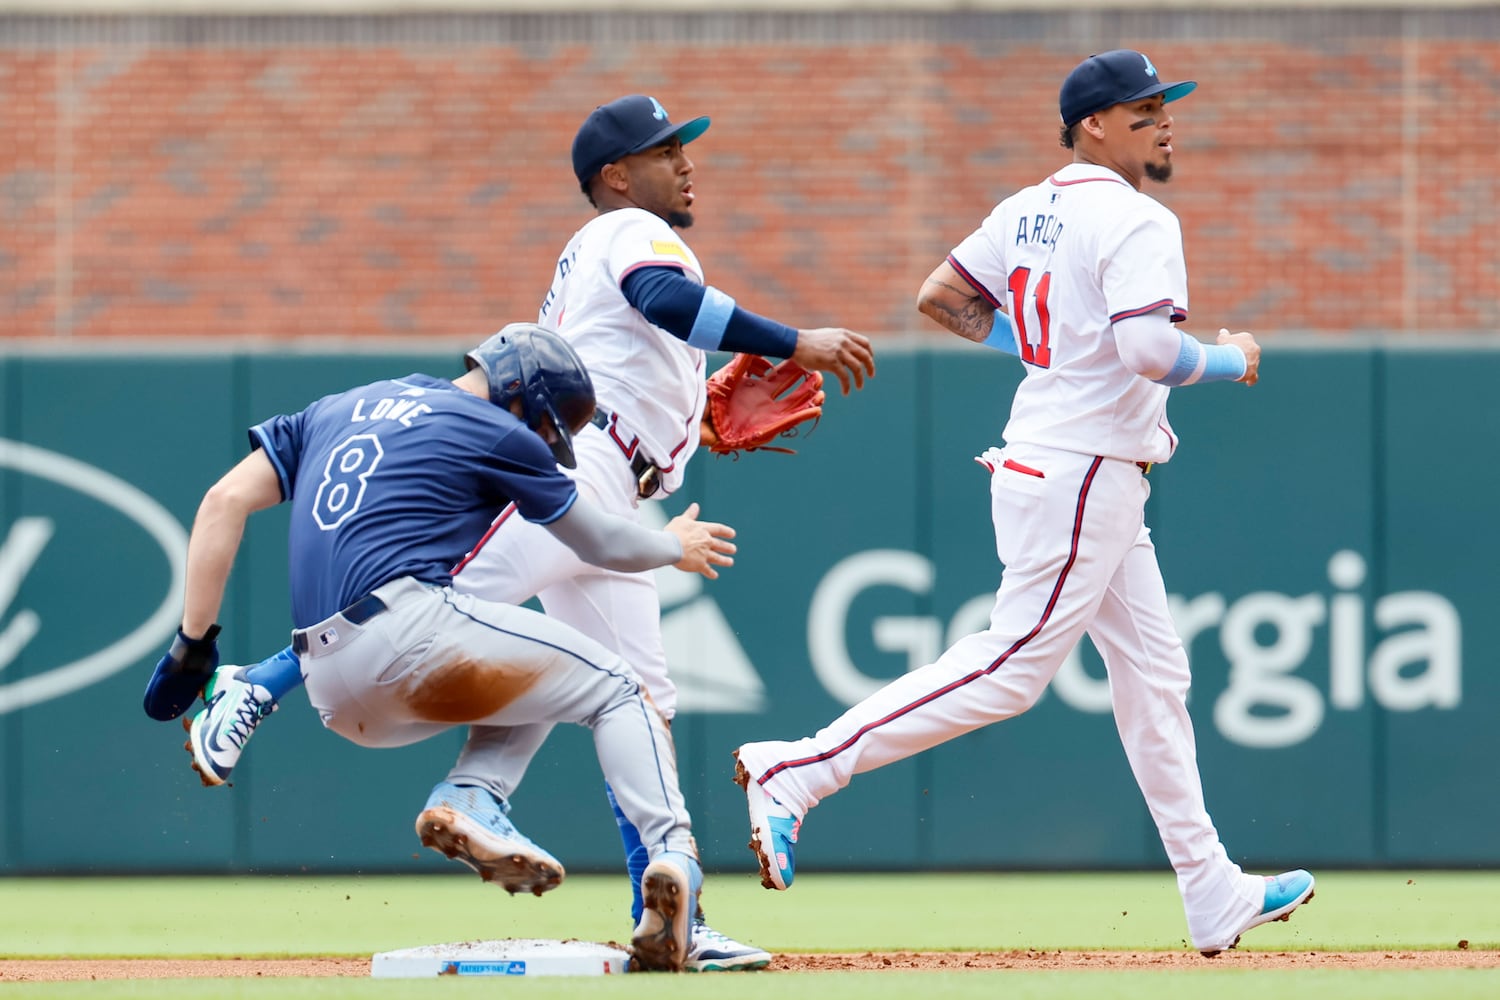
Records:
x=680, y=220
x=1159, y=172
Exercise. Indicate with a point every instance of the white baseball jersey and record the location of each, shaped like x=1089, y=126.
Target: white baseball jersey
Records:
x=653, y=385
x=650, y=381
x=1067, y=258
x=1070, y=257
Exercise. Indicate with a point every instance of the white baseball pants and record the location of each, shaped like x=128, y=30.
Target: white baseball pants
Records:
x=1070, y=531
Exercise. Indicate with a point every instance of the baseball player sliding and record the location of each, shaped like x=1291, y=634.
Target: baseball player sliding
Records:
x=629, y=295
x=1091, y=273
x=387, y=484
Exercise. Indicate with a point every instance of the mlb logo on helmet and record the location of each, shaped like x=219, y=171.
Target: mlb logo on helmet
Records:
x=1110, y=78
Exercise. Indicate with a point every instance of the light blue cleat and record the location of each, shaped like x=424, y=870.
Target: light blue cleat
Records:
x=773, y=831
x=469, y=825
x=1284, y=893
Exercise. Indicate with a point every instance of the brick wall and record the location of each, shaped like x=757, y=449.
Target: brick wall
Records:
x=408, y=176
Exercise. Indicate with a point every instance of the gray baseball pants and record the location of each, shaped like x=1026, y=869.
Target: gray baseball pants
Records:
x=434, y=659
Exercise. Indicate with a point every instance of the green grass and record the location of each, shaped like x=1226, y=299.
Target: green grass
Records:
x=289, y=916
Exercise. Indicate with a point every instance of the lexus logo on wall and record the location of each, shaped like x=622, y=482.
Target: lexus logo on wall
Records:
x=92, y=546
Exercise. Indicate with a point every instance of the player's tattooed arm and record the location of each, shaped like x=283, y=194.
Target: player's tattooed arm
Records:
x=951, y=302
x=972, y=320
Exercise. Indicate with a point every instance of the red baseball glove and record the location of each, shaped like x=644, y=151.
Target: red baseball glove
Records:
x=751, y=402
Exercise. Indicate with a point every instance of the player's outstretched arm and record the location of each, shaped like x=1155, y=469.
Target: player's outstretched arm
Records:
x=621, y=544
x=705, y=544
x=707, y=318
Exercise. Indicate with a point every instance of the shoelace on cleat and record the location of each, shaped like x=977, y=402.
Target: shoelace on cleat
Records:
x=247, y=714
x=702, y=930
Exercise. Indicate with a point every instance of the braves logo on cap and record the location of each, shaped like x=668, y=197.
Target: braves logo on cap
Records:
x=1115, y=77
x=624, y=126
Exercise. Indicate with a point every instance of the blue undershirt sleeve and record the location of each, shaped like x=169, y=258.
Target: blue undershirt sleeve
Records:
x=712, y=320
x=702, y=315
x=278, y=673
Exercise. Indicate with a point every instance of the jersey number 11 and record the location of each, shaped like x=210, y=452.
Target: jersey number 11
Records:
x=1035, y=340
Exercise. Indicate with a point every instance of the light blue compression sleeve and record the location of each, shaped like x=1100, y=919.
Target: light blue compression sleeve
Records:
x=1199, y=362
x=1002, y=336
x=1152, y=347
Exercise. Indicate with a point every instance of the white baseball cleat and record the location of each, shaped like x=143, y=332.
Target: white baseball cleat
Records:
x=217, y=734
x=1284, y=893
x=712, y=951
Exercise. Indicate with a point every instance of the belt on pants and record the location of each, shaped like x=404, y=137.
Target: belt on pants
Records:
x=358, y=613
x=647, y=474
x=1145, y=467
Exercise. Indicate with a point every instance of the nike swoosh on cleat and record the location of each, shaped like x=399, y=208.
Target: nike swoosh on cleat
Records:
x=212, y=739
x=212, y=744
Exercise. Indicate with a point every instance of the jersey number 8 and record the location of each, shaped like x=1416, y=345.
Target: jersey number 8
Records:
x=344, y=478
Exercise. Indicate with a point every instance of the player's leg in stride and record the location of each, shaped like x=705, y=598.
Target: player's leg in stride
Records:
x=469, y=824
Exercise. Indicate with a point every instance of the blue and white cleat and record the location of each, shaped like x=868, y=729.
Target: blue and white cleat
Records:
x=712, y=951
x=773, y=831
x=1284, y=893
x=469, y=825
x=663, y=938
x=218, y=733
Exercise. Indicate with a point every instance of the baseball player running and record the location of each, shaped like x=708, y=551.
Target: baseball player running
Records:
x=388, y=484
x=629, y=294
x=1091, y=272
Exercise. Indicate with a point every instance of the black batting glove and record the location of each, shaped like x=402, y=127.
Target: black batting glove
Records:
x=181, y=675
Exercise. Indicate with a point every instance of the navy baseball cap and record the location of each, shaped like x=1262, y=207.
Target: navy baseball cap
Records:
x=624, y=126
x=1110, y=78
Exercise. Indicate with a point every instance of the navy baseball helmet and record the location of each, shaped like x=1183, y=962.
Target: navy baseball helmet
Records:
x=527, y=362
x=1116, y=77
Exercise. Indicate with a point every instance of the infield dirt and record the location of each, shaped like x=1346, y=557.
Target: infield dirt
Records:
x=68, y=970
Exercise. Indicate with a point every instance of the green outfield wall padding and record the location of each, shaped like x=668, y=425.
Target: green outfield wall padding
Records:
x=1327, y=538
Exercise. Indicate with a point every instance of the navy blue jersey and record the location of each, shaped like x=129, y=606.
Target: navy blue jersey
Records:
x=399, y=478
